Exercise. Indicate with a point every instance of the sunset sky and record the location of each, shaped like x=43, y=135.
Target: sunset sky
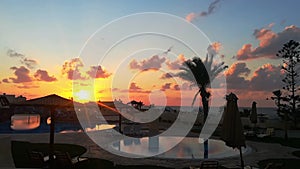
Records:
x=41, y=48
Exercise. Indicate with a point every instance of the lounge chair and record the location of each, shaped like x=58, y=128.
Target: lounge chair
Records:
x=269, y=132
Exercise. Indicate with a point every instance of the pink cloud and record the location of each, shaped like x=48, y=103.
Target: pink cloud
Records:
x=167, y=76
x=214, y=48
x=191, y=16
x=186, y=86
x=72, y=69
x=176, y=87
x=154, y=63
x=175, y=65
x=98, y=72
x=269, y=43
x=264, y=36
x=42, y=75
x=5, y=80
x=133, y=86
x=22, y=75
x=265, y=78
x=211, y=9
x=235, y=76
x=245, y=52
x=166, y=86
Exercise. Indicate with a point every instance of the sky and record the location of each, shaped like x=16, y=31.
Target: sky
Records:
x=53, y=47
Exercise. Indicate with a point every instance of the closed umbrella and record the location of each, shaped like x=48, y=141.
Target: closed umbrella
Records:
x=253, y=115
x=232, y=130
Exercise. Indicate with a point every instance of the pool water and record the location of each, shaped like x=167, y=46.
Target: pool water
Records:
x=5, y=128
x=188, y=148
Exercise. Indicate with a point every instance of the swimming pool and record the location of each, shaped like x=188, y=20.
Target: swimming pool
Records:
x=188, y=148
x=5, y=128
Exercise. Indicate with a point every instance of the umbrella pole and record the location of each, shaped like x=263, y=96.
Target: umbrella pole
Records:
x=206, y=149
x=51, y=148
x=241, y=155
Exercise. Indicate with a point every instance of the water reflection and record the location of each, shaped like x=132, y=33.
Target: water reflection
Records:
x=100, y=127
x=188, y=148
x=25, y=121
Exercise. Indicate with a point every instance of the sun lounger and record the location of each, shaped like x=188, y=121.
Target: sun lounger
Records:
x=269, y=132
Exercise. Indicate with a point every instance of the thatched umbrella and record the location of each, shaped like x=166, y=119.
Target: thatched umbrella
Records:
x=232, y=129
x=253, y=115
x=52, y=102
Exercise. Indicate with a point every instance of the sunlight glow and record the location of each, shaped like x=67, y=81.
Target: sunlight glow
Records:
x=83, y=96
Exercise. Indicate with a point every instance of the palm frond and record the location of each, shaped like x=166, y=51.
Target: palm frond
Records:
x=194, y=99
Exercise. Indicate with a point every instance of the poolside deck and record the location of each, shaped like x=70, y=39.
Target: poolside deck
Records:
x=260, y=151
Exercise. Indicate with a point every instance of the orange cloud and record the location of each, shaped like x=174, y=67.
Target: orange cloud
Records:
x=264, y=36
x=211, y=9
x=42, y=75
x=191, y=16
x=269, y=42
x=244, y=52
x=153, y=63
x=266, y=78
x=177, y=63
x=72, y=69
x=98, y=72
x=22, y=75
x=214, y=48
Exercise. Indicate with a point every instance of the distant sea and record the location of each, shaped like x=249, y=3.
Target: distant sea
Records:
x=269, y=112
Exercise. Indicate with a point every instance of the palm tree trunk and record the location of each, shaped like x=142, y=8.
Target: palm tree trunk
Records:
x=204, y=97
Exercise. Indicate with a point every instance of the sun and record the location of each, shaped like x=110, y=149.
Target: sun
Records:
x=83, y=96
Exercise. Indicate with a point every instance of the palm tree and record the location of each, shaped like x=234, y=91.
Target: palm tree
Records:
x=200, y=74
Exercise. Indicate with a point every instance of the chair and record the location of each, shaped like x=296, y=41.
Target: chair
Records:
x=209, y=165
x=269, y=132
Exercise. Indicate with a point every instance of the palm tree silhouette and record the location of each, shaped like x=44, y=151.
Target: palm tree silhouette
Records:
x=201, y=74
